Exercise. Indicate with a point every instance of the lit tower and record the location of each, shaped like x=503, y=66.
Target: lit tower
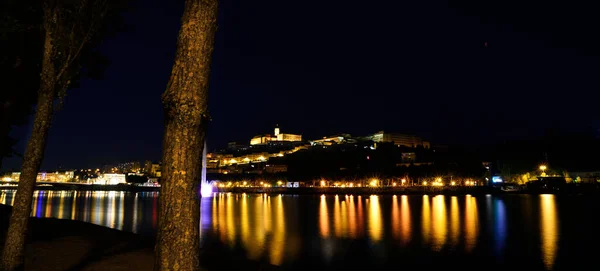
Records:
x=276, y=129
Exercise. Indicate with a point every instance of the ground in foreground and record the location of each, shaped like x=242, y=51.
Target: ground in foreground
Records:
x=56, y=244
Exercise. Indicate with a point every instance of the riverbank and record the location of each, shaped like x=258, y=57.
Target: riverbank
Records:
x=58, y=244
x=410, y=190
x=87, y=187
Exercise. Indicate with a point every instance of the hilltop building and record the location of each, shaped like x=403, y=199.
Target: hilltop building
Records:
x=277, y=136
x=400, y=140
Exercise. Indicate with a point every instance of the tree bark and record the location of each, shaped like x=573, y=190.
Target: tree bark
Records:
x=14, y=246
x=186, y=116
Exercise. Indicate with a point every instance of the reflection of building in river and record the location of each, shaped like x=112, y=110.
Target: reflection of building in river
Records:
x=439, y=222
x=426, y=220
x=454, y=221
x=261, y=229
x=549, y=229
x=105, y=208
x=471, y=223
x=375, y=223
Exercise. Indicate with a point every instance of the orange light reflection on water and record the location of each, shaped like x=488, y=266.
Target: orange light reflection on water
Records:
x=279, y=233
x=323, y=218
x=549, y=229
x=454, y=221
x=471, y=223
x=406, y=221
x=426, y=220
x=439, y=222
x=375, y=219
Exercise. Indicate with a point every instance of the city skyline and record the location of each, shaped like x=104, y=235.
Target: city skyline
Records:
x=462, y=74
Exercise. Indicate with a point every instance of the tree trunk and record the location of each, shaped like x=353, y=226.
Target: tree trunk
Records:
x=14, y=246
x=186, y=116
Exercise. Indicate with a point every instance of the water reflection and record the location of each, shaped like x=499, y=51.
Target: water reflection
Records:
x=375, y=219
x=406, y=221
x=119, y=210
x=500, y=225
x=471, y=223
x=439, y=222
x=426, y=220
x=278, y=229
x=323, y=218
x=279, y=233
x=454, y=221
x=549, y=229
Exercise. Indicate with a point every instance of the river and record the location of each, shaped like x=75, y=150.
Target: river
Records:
x=337, y=232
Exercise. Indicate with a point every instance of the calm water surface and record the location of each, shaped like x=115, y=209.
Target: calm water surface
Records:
x=538, y=232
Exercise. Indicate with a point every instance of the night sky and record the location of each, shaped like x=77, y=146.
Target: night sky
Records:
x=453, y=72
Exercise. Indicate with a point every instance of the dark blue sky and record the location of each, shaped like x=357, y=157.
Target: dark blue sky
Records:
x=324, y=67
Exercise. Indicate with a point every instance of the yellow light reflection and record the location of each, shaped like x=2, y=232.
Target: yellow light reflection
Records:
x=454, y=221
x=245, y=226
x=268, y=219
x=121, y=211
x=426, y=217
x=136, y=210
x=352, y=217
x=344, y=219
x=395, y=218
x=361, y=218
x=112, y=208
x=230, y=223
x=323, y=218
x=61, y=204
x=375, y=226
x=406, y=221
x=74, y=205
x=278, y=244
x=549, y=229
x=214, y=212
x=35, y=203
x=439, y=222
x=471, y=223
x=337, y=220
x=259, y=231
x=48, y=211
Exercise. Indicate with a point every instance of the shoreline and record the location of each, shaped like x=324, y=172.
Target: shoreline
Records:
x=90, y=187
x=411, y=190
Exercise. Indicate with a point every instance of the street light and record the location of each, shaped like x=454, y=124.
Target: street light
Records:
x=543, y=169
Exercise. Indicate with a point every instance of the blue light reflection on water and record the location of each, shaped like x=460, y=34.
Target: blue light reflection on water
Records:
x=500, y=226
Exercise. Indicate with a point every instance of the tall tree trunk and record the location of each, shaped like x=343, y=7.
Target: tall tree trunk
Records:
x=14, y=246
x=186, y=116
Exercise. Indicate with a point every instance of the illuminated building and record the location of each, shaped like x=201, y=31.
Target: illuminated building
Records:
x=55, y=176
x=111, y=179
x=277, y=136
x=64, y=176
x=327, y=141
x=155, y=170
x=400, y=140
